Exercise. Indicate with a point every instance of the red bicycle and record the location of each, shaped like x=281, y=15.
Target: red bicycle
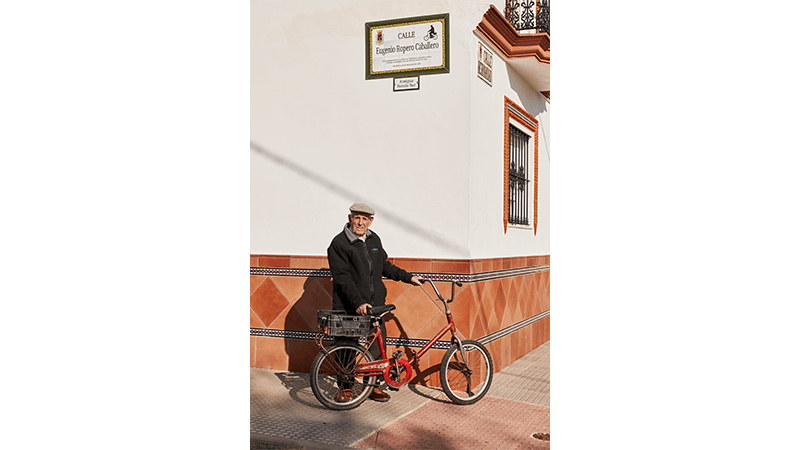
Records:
x=465, y=373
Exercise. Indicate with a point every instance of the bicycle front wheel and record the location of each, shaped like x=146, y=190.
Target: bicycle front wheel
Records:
x=332, y=378
x=466, y=377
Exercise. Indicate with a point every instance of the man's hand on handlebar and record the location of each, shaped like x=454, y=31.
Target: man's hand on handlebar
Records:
x=416, y=281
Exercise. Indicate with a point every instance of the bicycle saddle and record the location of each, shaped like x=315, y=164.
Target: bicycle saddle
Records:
x=378, y=311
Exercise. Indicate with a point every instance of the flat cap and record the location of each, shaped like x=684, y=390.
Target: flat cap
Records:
x=362, y=208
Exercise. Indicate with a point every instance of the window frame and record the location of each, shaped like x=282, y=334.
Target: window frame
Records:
x=520, y=119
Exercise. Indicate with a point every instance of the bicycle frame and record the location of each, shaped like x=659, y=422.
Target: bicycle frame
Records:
x=384, y=366
x=343, y=377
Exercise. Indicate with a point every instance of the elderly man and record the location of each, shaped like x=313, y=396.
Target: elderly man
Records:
x=358, y=263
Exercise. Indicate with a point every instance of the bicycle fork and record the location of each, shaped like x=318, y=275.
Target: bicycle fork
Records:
x=468, y=371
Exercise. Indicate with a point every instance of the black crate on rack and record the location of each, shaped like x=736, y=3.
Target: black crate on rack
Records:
x=336, y=322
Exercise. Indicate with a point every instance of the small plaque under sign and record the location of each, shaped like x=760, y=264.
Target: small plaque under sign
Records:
x=485, y=58
x=406, y=84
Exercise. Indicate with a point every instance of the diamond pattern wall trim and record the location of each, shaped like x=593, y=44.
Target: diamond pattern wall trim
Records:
x=502, y=303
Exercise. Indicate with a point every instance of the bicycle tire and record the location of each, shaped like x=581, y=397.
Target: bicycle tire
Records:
x=331, y=370
x=460, y=386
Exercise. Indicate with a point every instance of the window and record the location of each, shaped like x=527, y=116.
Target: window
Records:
x=517, y=177
x=521, y=168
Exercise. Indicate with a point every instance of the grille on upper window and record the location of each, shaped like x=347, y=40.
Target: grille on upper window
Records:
x=518, y=177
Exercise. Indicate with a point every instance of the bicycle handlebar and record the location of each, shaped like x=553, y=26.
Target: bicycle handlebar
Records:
x=457, y=283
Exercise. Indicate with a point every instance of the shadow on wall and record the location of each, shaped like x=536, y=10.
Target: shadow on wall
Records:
x=350, y=196
x=532, y=108
x=302, y=316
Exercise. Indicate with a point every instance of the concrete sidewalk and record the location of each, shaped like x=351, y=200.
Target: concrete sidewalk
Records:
x=285, y=415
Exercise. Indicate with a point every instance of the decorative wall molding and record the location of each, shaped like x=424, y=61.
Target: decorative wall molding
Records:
x=510, y=327
x=464, y=278
x=516, y=327
x=396, y=341
x=281, y=272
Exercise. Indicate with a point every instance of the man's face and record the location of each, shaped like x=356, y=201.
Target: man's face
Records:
x=359, y=223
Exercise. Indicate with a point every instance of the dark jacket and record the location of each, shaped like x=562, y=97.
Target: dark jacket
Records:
x=357, y=268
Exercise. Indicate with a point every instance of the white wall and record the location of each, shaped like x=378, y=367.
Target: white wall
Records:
x=323, y=137
x=487, y=236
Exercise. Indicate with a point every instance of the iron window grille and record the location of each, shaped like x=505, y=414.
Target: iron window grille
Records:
x=518, y=177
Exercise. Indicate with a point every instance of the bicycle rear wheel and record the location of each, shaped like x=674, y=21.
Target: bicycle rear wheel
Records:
x=332, y=374
x=466, y=381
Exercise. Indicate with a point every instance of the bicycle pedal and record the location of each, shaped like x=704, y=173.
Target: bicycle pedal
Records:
x=392, y=388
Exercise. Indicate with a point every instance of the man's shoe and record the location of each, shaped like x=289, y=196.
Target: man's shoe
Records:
x=344, y=395
x=379, y=396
